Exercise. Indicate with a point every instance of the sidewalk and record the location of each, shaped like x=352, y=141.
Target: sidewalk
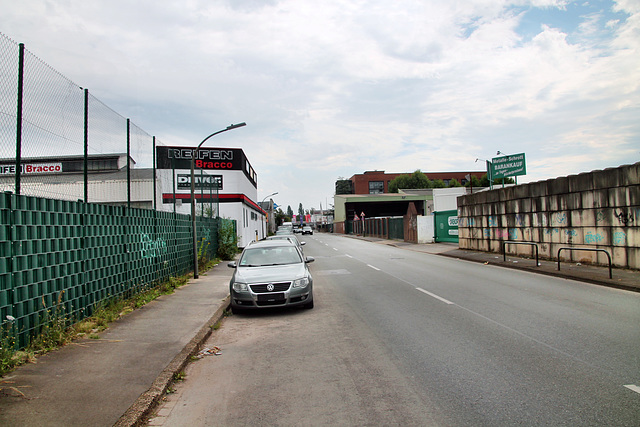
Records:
x=95, y=382
x=621, y=278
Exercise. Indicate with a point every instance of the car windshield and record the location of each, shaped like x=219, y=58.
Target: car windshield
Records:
x=280, y=255
x=281, y=237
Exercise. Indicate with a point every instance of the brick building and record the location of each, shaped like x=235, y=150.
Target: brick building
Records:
x=377, y=182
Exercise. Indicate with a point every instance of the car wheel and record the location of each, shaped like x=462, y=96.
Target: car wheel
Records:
x=308, y=305
x=236, y=310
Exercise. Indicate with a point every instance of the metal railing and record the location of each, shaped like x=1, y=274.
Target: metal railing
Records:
x=504, y=249
x=586, y=249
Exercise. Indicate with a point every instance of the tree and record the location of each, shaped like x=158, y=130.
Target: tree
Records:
x=300, y=210
x=438, y=183
x=505, y=180
x=484, y=181
x=475, y=182
x=344, y=186
x=289, y=211
x=415, y=180
x=281, y=217
x=454, y=183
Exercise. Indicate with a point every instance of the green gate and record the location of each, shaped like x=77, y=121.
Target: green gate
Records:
x=446, y=226
x=396, y=228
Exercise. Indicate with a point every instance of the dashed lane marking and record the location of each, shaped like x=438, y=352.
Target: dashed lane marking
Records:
x=633, y=387
x=446, y=301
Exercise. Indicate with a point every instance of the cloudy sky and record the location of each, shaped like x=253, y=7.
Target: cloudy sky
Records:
x=333, y=88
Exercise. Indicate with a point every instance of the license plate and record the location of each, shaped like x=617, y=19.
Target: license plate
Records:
x=271, y=297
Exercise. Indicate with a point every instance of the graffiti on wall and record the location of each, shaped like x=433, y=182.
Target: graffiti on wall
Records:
x=619, y=238
x=559, y=218
x=593, y=237
x=152, y=248
x=624, y=217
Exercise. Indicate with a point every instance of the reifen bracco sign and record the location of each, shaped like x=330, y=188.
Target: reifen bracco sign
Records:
x=32, y=168
x=211, y=159
x=207, y=158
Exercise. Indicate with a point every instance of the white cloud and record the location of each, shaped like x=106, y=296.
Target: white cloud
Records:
x=335, y=88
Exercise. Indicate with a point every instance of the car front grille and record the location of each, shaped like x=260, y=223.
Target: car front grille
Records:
x=277, y=287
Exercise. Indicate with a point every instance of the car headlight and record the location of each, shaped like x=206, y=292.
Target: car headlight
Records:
x=301, y=283
x=240, y=287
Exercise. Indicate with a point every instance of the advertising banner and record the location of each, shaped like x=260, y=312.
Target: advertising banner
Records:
x=208, y=158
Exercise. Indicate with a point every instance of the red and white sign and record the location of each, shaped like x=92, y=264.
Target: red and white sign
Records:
x=32, y=168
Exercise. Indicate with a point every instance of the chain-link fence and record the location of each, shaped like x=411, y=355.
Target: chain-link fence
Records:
x=71, y=235
x=54, y=136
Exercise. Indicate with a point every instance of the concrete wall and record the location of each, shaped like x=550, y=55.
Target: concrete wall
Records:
x=596, y=210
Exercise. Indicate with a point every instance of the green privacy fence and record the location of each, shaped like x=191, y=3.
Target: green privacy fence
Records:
x=396, y=228
x=71, y=256
x=384, y=228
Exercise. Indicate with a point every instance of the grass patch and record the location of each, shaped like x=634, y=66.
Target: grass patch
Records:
x=55, y=331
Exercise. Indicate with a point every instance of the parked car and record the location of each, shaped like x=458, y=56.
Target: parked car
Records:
x=271, y=273
x=307, y=230
x=292, y=239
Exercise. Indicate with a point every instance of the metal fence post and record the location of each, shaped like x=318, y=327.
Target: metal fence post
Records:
x=86, y=145
x=128, y=163
x=19, y=116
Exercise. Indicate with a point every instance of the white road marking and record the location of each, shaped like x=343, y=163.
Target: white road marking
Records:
x=633, y=387
x=334, y=249
x=375, y=268
x=435, y=296
x=347, y=255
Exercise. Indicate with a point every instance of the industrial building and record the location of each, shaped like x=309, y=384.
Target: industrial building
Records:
x=225, y=183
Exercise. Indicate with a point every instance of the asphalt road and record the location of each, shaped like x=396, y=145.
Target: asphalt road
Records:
x=406, y=338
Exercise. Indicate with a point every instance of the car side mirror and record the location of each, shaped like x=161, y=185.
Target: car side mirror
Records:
x=232, y=264
x=309, y=259
x=303, y=243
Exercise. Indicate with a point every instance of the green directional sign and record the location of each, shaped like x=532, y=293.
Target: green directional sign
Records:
x=508, y=166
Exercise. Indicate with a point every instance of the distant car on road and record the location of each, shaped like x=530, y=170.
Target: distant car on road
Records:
x=307, y=230
x=271, y=273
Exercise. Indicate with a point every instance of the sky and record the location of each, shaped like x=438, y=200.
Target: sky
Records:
x=334, y=88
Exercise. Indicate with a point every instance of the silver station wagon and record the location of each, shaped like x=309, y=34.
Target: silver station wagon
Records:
x=271, y=273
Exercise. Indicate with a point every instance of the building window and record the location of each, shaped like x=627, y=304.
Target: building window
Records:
x=376, y=187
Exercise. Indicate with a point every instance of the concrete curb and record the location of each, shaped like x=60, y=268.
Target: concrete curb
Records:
x=559, y=274
x=138, y=412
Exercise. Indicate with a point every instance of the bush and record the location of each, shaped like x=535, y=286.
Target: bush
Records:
x=227, y=240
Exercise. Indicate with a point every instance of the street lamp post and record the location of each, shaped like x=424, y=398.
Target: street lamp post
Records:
x=488, y=172
x=515, y=177
x=194, y=155
x=264, y=231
